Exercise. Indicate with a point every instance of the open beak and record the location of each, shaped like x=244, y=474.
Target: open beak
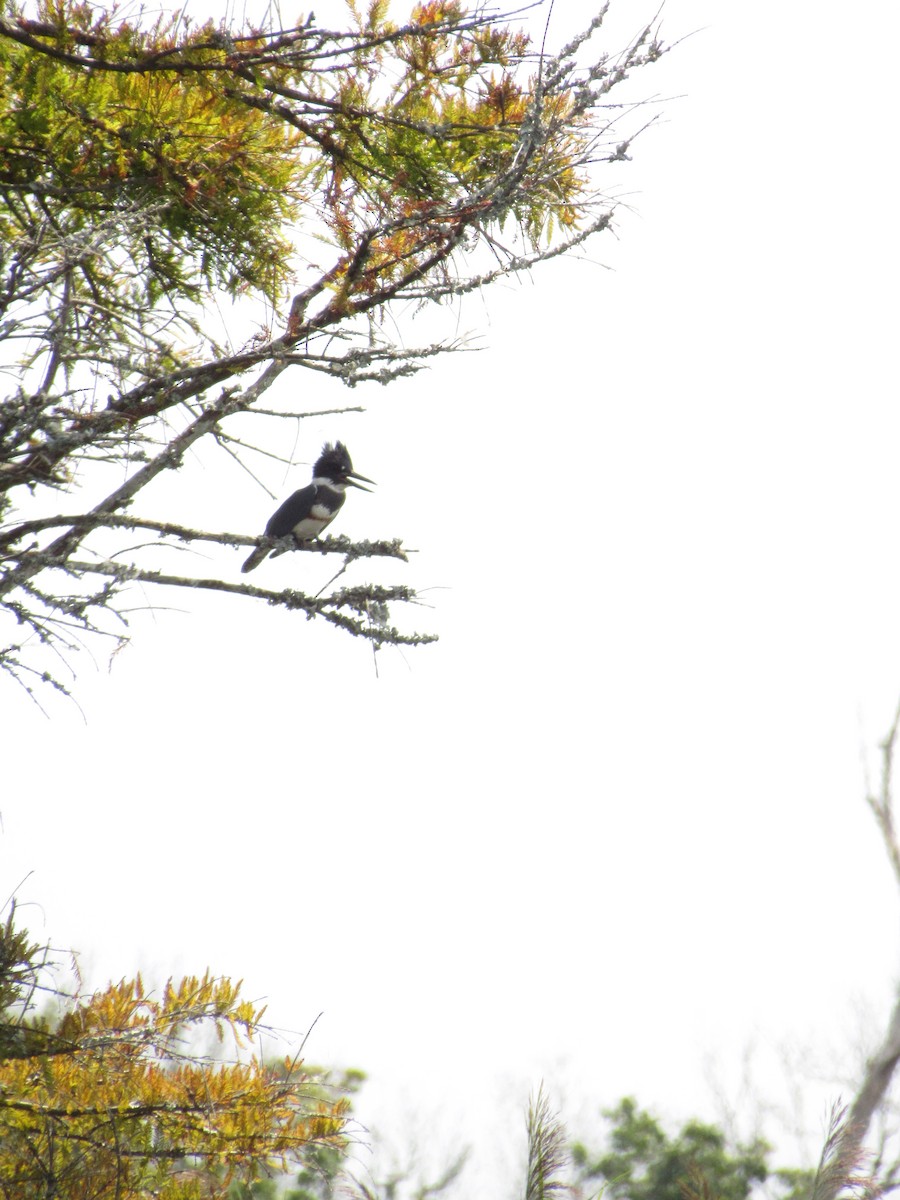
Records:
x=352, y=476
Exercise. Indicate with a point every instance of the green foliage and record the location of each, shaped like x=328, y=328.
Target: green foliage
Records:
x=218, y=177
x=796, y=1183
x=642, y=1162
x=18, y=956
x=98, y=115
x=320, y=1179
x=19, y=968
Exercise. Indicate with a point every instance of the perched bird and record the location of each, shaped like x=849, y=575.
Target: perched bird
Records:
x=307, y=512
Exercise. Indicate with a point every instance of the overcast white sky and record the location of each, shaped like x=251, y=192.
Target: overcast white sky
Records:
x=612, y=823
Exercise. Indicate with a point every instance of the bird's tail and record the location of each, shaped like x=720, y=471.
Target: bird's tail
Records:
x=257, y=555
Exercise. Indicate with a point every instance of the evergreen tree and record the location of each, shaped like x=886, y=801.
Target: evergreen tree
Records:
x=317, y=180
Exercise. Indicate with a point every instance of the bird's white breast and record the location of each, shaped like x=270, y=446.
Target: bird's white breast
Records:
x=313, y=524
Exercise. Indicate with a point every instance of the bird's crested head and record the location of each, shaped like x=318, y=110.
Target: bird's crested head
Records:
x=334, y=463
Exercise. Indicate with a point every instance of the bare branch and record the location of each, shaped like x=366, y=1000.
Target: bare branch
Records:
x=882, y=805
x=844, y=1150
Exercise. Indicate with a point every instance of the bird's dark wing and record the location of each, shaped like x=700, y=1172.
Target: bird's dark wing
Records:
x=294, y=509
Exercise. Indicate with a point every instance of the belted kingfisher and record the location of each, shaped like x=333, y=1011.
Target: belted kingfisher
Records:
x=307, y=512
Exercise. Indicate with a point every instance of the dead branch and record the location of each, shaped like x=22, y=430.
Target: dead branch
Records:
x=879, y=1071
